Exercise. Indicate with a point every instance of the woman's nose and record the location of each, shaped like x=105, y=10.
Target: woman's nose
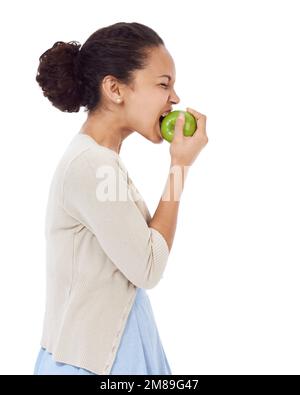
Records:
x=175, y=98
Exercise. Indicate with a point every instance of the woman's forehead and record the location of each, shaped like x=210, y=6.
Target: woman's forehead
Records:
x=159, y=67
x=161, y=62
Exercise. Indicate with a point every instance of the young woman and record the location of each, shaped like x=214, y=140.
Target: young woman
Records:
x=103, y=247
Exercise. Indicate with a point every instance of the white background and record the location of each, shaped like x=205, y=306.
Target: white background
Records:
x=228, y=302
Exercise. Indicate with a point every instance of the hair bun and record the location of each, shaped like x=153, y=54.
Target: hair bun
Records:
x=58, y=75
x=60, y=47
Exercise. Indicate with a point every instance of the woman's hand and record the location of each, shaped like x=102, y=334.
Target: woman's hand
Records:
x=185, y=149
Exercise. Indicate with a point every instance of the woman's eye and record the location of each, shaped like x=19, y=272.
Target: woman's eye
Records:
x=166, y=86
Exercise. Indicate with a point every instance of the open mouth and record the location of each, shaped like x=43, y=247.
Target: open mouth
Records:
x=161, y=118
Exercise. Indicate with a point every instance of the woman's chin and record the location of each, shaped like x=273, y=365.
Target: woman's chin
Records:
x=160, y=140
x=156, y=137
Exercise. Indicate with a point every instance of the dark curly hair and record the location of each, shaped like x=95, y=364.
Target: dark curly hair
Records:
x=70, y=77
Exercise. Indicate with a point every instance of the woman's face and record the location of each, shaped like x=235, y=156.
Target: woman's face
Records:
x=153, y=94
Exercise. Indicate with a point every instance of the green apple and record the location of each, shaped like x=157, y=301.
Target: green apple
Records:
x=167, y=126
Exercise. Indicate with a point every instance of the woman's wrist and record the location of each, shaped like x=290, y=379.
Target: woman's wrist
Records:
x=179, y=168
x=176, y=180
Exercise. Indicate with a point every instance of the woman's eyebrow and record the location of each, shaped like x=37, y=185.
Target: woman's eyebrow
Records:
x=165, y=75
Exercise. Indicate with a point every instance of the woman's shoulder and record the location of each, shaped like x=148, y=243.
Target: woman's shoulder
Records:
x=83, y=150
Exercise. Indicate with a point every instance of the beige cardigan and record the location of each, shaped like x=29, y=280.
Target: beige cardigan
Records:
x=97, y=253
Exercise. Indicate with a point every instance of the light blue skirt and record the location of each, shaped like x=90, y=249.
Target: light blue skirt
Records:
x=140, y=350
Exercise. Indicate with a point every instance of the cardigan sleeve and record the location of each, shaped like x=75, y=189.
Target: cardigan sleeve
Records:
x=96, y=193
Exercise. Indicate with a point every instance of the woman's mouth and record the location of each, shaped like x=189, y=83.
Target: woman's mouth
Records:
x=163, y=115
x=161, y=118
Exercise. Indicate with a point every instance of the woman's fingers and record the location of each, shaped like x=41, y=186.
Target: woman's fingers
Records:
x=201, y=121
x=195, y=113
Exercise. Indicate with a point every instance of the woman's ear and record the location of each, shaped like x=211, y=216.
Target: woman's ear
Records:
x=111, y=89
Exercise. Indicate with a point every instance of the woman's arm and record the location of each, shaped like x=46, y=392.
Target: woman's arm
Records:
x=139, y=252
x=184, y=151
